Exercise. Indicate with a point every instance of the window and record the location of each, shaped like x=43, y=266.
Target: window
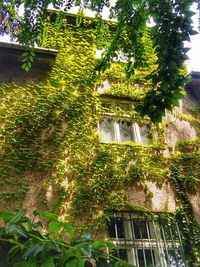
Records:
x=117, y=130
x=124, y=130
x=143, y=242
x=116, y=123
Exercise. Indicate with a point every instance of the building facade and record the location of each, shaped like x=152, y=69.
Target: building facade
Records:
x=73, y=144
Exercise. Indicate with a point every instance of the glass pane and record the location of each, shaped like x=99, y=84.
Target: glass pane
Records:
x=126, y=131
x=116, y=225
x=107, y=130
x=140, y=228
x=147, y=256
x=146, y=133
x=121, y=253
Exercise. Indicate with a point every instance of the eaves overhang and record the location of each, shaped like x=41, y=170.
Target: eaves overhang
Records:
x=40, y=50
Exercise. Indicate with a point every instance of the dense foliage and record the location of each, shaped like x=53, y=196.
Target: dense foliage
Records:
x=24, y=242
x=51, y=154
x=172, y=27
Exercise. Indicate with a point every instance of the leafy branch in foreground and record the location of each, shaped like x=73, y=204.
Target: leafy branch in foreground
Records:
x=23, y=243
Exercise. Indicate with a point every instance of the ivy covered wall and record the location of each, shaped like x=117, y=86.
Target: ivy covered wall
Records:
x=52, y=156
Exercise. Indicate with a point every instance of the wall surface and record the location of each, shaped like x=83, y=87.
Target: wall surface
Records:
x=10, y=66
x=53, y=156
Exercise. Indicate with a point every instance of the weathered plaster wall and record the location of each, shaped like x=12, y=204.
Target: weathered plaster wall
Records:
x=195, y=201
x=161, y=199
x=178, y=129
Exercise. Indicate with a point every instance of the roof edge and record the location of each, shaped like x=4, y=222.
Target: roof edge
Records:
x=40, y=50
x=71, y=14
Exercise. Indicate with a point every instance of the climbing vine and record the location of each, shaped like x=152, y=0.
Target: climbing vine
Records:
x=172, y=27
x=51, y=148
x=189, y=227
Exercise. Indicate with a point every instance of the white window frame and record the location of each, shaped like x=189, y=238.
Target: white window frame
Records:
x=117, y=136
x=112, y=112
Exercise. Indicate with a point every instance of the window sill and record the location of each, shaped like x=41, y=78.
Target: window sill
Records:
x=131, y=144
x=154, y=145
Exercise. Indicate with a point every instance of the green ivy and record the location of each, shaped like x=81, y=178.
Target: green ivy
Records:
x=49, y=138
x=189, y=227
x=26, y=242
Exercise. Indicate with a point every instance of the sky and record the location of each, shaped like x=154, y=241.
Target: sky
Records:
x=193, y=63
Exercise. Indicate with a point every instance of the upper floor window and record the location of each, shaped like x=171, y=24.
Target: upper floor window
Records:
x=118, y=130
x=143, y=242
x=115, y=124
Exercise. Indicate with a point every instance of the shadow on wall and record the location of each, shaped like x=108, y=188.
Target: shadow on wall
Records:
x=193, y=88
x=11, y=62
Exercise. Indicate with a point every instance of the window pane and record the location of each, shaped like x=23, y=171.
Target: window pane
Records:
x=120, y=253
x=147, y=256
x=107, y=130
x=146, y=133
x=116, y=225
x=126, y=131
x=140, y=228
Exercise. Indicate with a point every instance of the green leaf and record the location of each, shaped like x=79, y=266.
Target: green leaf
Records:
x=48, y=262
x=12, y=228
x=54, y=226
x=32, y=53
x=34, y=250
x=7, y=216
x=139, y=108
x=15, y=249
x=25, y=54
x=175, y=102
x=100, y=244
x=80, y=17
x=67, y=256
x=68, y=228
x=75, y=262
x=86, y=250
x=50, y=216
x=18, y=216
x=179, y=95
x=85, y=237
x=172, y=65
x=25, y=67
x=193, y=32
x=27, y=263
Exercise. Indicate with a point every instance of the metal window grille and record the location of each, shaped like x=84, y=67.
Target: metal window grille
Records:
x=143, y=241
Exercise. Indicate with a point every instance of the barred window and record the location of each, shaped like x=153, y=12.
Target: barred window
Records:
x=142, y=241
